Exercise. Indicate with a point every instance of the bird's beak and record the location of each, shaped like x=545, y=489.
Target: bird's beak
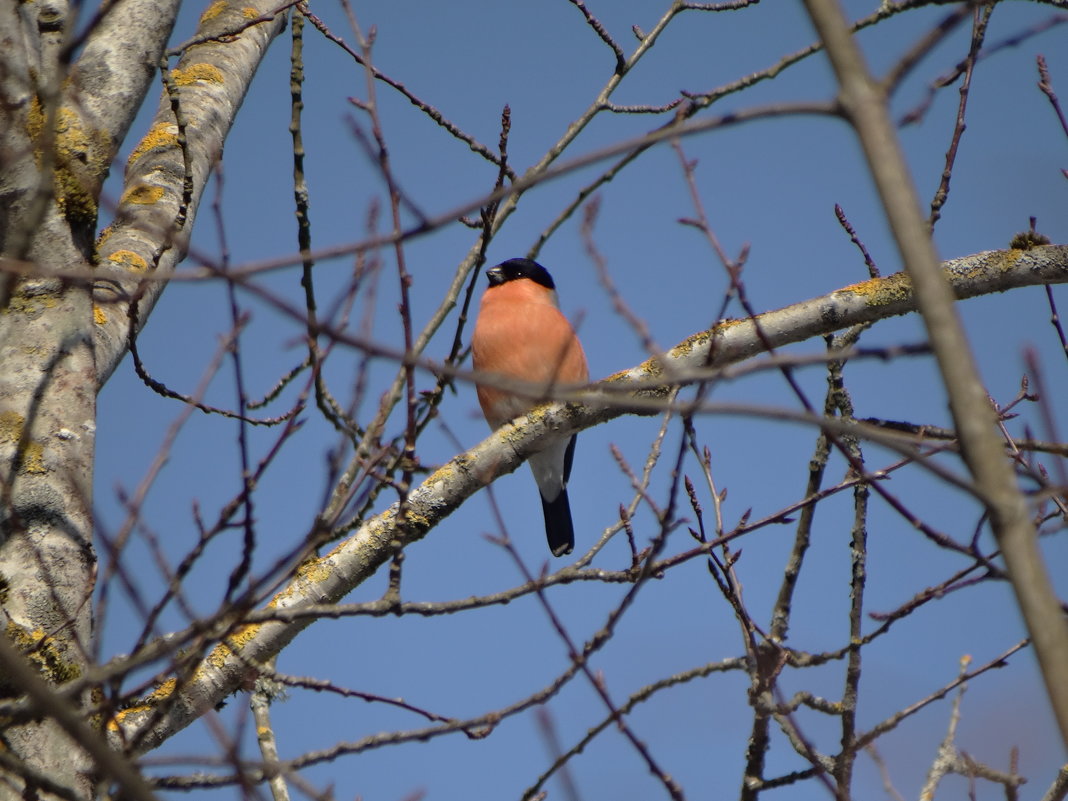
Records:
x=495, y=276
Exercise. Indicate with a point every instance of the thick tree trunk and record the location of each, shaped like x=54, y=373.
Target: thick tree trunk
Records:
x=47, y=562
x=60, y=128
x=47, y=390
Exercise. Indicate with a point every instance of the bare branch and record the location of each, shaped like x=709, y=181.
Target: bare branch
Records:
x=867, y=110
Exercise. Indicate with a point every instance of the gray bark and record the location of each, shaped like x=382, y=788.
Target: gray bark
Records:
x=60, y=128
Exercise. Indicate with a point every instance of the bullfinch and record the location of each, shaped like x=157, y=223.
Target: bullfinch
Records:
x=521, y=334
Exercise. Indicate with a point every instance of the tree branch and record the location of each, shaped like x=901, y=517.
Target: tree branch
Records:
x=211, y=79
x=865, y=105
x=329, y=578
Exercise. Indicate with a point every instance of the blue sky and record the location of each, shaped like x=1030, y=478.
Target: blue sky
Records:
x=771, y=186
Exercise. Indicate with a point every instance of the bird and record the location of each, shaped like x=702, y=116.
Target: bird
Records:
x=521, y=334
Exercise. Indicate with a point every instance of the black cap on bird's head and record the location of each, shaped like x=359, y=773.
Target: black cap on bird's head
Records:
x=514, y=269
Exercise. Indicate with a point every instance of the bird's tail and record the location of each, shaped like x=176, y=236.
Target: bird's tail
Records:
x=559, y=529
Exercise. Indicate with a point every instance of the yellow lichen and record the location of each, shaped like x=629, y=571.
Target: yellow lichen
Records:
x=882, y=291
x=121, y=715
x=197, y=72
x=163, y=135
x=31, y=304
x=976, y=272
x=46, y=653
x=142, y=194
x=102, y=237
x=212, y=11
x=81, y=159
x=11, y=424
x=35, y=119
x=100, y=317
x=129, y=260
x=162, y=692
x=443, y=474
x=698, y=341
x=31, y=459
x=416, y=521
x=654, y=368
x=314, y=570
x=249, y=12
x=82, y=152
x=235, y=641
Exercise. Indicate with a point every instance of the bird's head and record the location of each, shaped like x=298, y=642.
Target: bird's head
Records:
x=514, y=269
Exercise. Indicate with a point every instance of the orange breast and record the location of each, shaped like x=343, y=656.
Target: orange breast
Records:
x=521, y=335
